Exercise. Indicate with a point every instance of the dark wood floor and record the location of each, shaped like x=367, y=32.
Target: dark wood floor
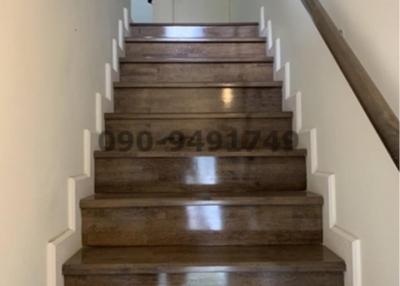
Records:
x=200, y=181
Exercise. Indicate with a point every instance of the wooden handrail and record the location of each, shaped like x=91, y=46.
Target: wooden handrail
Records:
x=377, y=109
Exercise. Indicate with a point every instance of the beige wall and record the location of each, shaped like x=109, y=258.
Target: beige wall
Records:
x=52, y=56
x=372, y=30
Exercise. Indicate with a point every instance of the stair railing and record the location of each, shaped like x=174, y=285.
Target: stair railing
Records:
x=374, y=104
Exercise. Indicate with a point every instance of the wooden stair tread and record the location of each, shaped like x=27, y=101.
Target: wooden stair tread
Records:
x=252, y=154
x=150, y=39
x=200, y=199
x=197, y=60
x=130, y=260
x=165, y=116
x=224, y=71
x=267, y=84
x=217, y=24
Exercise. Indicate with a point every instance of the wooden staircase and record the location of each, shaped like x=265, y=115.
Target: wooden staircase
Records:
x=200, y=182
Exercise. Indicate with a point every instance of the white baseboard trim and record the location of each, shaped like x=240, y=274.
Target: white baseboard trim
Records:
x=345, y=244
x=262, y=25
x=278, y=75
x=121, y=38
x=63, y=246
x=115, y=60
x=127, y=22
x=270, y=39
x=67, y=243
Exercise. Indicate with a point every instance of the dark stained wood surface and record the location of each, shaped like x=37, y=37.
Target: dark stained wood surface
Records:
x=195, y=49
x=228, y=197
x=200, y=116
x=196, y=40
x=217, y=24
x=298, y=153
x=91, y=261
x=196, y=72
x=194, y=31
x=183, y=98
x=161, y=60
x=377, y=109
x=200, y=218
x=203, y=225
x=213, y=279
x=222, y=219
x=220, y=126
x=205, y=266
x=263, y=84
x=135, y=172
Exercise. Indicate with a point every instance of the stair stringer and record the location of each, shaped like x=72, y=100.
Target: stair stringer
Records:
x=341, y=241
x=64, y=245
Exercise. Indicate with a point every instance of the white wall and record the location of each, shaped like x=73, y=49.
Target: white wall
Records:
x=163, y=11
x=348, y=163
x=142, y=11
x=52, y=58
x=236, y=11
x=200, y=11
x=245, y=11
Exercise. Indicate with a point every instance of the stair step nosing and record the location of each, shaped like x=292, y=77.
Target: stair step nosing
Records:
x=185, y=116
x=123, y=203
x=153, y=268
x=225, y=154
x=149, y=40
x=126, y=204
x=206, y=24
x=236, y=60
x=272, y=84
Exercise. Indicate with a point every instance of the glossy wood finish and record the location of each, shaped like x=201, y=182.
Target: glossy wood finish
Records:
x=122, y=221
x=194, y=31
x=131, y=260
x=209, y=218
x=212, y=279
x=195, y=60
x=141, y=172
x=227, y=197
x=377, y=109
x=197, y=98
x=197, y=24
x=195, y=49
x=196, y=72
x=213, y=126
x=195, y=40
x=206, y=266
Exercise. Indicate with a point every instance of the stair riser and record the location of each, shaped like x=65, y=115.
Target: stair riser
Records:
x=138, y=174
x=196, y=72
x=202, y=225
x=195, y=31
x=191, y=50
x=212, y=279
x=186, y=100
x=215, y=134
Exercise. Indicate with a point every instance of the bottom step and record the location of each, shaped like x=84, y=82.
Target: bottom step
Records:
x=205, y=266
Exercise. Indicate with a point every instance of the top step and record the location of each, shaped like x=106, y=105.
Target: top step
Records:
x=193, y=30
